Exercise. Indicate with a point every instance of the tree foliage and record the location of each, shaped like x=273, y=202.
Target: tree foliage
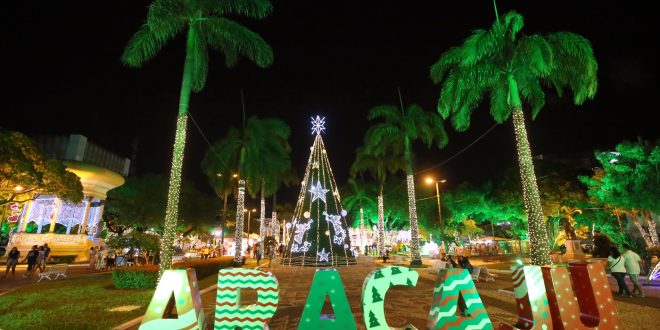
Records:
x=22, y=165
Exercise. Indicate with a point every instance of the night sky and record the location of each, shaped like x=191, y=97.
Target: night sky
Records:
x=63, y=75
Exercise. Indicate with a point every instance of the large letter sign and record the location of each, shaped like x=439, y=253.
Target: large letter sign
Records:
x=373, y=293
x=451, y=284
x=177, y=290
x=327, y=283
x=531, y=299
x=590, y=306
x=229, y=314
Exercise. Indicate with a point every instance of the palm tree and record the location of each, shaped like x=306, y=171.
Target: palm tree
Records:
x=378, y=166
x=402, y=126
x=359, y=197
x=511, y=69
x=257, y=150
x=206, y=26
x=221, y=178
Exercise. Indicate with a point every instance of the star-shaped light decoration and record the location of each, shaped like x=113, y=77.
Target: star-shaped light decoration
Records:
x=318, y=192
x=318, y=125
x=323, y=256
x=315, y=165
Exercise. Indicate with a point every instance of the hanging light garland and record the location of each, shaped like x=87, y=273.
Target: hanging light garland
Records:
x=240, y=206
x=416, y=258
x=381, y=226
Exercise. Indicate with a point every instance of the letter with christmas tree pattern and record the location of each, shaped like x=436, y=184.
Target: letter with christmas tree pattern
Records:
x=327, y=283
x=230, y=314
x=587, y=304
x=452, y=284
x=374, y=289
x=176, y=293
x=531, y=299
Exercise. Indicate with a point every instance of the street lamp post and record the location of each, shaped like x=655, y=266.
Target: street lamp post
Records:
x=437, y=192
x=248, y=228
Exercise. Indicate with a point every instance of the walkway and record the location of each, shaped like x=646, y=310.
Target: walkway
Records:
x=8, y=284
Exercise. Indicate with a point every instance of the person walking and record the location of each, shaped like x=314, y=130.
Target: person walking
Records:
x=618, y=270
x=257, y=255
x=92, y=257
x=31, y=258
x=249, y=248
x=632, y=264
x=99, y=258
x=46, y=253
x=41, y=259
x=12, y=260
x=110, y=259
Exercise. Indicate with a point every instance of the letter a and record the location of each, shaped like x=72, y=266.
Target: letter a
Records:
x=327, y=283
x=451, y=284
x=373, y=293
x=229, y=314
x=531, y=300
x=182, y=285
x=587, y=304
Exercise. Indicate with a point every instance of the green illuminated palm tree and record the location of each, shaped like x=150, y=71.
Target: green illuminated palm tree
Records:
x=260, y=152
x=358, y=198
x=378, y=166
x=509, y=69
x=205, y=25
x=400, y=127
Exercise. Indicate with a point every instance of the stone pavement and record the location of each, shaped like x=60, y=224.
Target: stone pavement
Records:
x=411, y=305
x=8, y=284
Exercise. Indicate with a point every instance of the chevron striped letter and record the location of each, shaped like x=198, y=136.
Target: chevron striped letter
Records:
x=327, y=283
x=229, y=314
x=181, y=285
x=451, y=284
x=373, y=293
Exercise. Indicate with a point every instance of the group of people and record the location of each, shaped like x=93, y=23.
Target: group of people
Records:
x=270, y=251
x=622, y=264
x=101, y=258
x=36, y=259
x=463, y=262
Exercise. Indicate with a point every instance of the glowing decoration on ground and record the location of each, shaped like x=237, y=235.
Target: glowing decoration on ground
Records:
x=176, y=293
x=654, y=273
x=373, y=293
x=340, y=232
x=318, y=192
x=238, y=237
x=313, y=235
x=230, y=314
x=172, y=209
x=454, y=287
x=327, y=282
x=318, y=125
x=588, y=304
x=416, y=257
x=323, y=256
x=538, y=236
x=430, y=249
x=531, y=299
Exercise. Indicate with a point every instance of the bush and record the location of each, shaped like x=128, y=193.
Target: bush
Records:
x=62, y=259
x=136, y=278
x=204, y=268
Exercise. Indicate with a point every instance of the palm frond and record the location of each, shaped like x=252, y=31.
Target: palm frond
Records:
x=200, y=59
x=535, y=54
x=386, y=112
x=513, y=23
x=499, y=107
x=166, y=18
x=445, y=62
x=481, y=44
x=532, y=92
x=576, y=66
x=222, y=31
x=142, y=47
x=249, y=8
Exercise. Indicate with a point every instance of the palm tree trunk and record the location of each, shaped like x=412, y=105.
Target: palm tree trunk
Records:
x=361, y=226
x=416, y=256
x=172, y=209
x=618, y=219
x=238, y=238
x=381, y=224
x=262, y=219
x=538, y=236
x=224, y=221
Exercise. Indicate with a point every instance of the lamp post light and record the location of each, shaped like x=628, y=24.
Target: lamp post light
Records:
x=437, y=192
x=248, y=228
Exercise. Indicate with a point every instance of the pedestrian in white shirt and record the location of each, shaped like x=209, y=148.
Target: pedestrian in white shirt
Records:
x=632, y=264
x=618, y=270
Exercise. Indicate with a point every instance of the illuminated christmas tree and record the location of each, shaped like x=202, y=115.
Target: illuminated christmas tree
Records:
x=319, y=235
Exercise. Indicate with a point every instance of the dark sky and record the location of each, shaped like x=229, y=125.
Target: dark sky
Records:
x=63, y=75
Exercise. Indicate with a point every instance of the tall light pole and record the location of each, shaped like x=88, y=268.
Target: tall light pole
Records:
x=248, y=229
x=437, y=192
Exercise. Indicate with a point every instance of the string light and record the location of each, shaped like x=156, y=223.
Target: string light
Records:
x=538, y=237
x=172, y=209
x=240, y=206
x=262, y=225
x=381, y=226
x=416, y=258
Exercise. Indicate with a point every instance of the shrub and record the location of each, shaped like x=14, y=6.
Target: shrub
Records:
x=69, y=259
x=136, y=278
x=204, y=268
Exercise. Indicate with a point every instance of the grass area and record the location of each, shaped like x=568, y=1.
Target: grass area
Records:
x=78, y=303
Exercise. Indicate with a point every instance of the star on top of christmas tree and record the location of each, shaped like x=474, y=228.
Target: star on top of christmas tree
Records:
x=318, y=125
x=318, y=192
